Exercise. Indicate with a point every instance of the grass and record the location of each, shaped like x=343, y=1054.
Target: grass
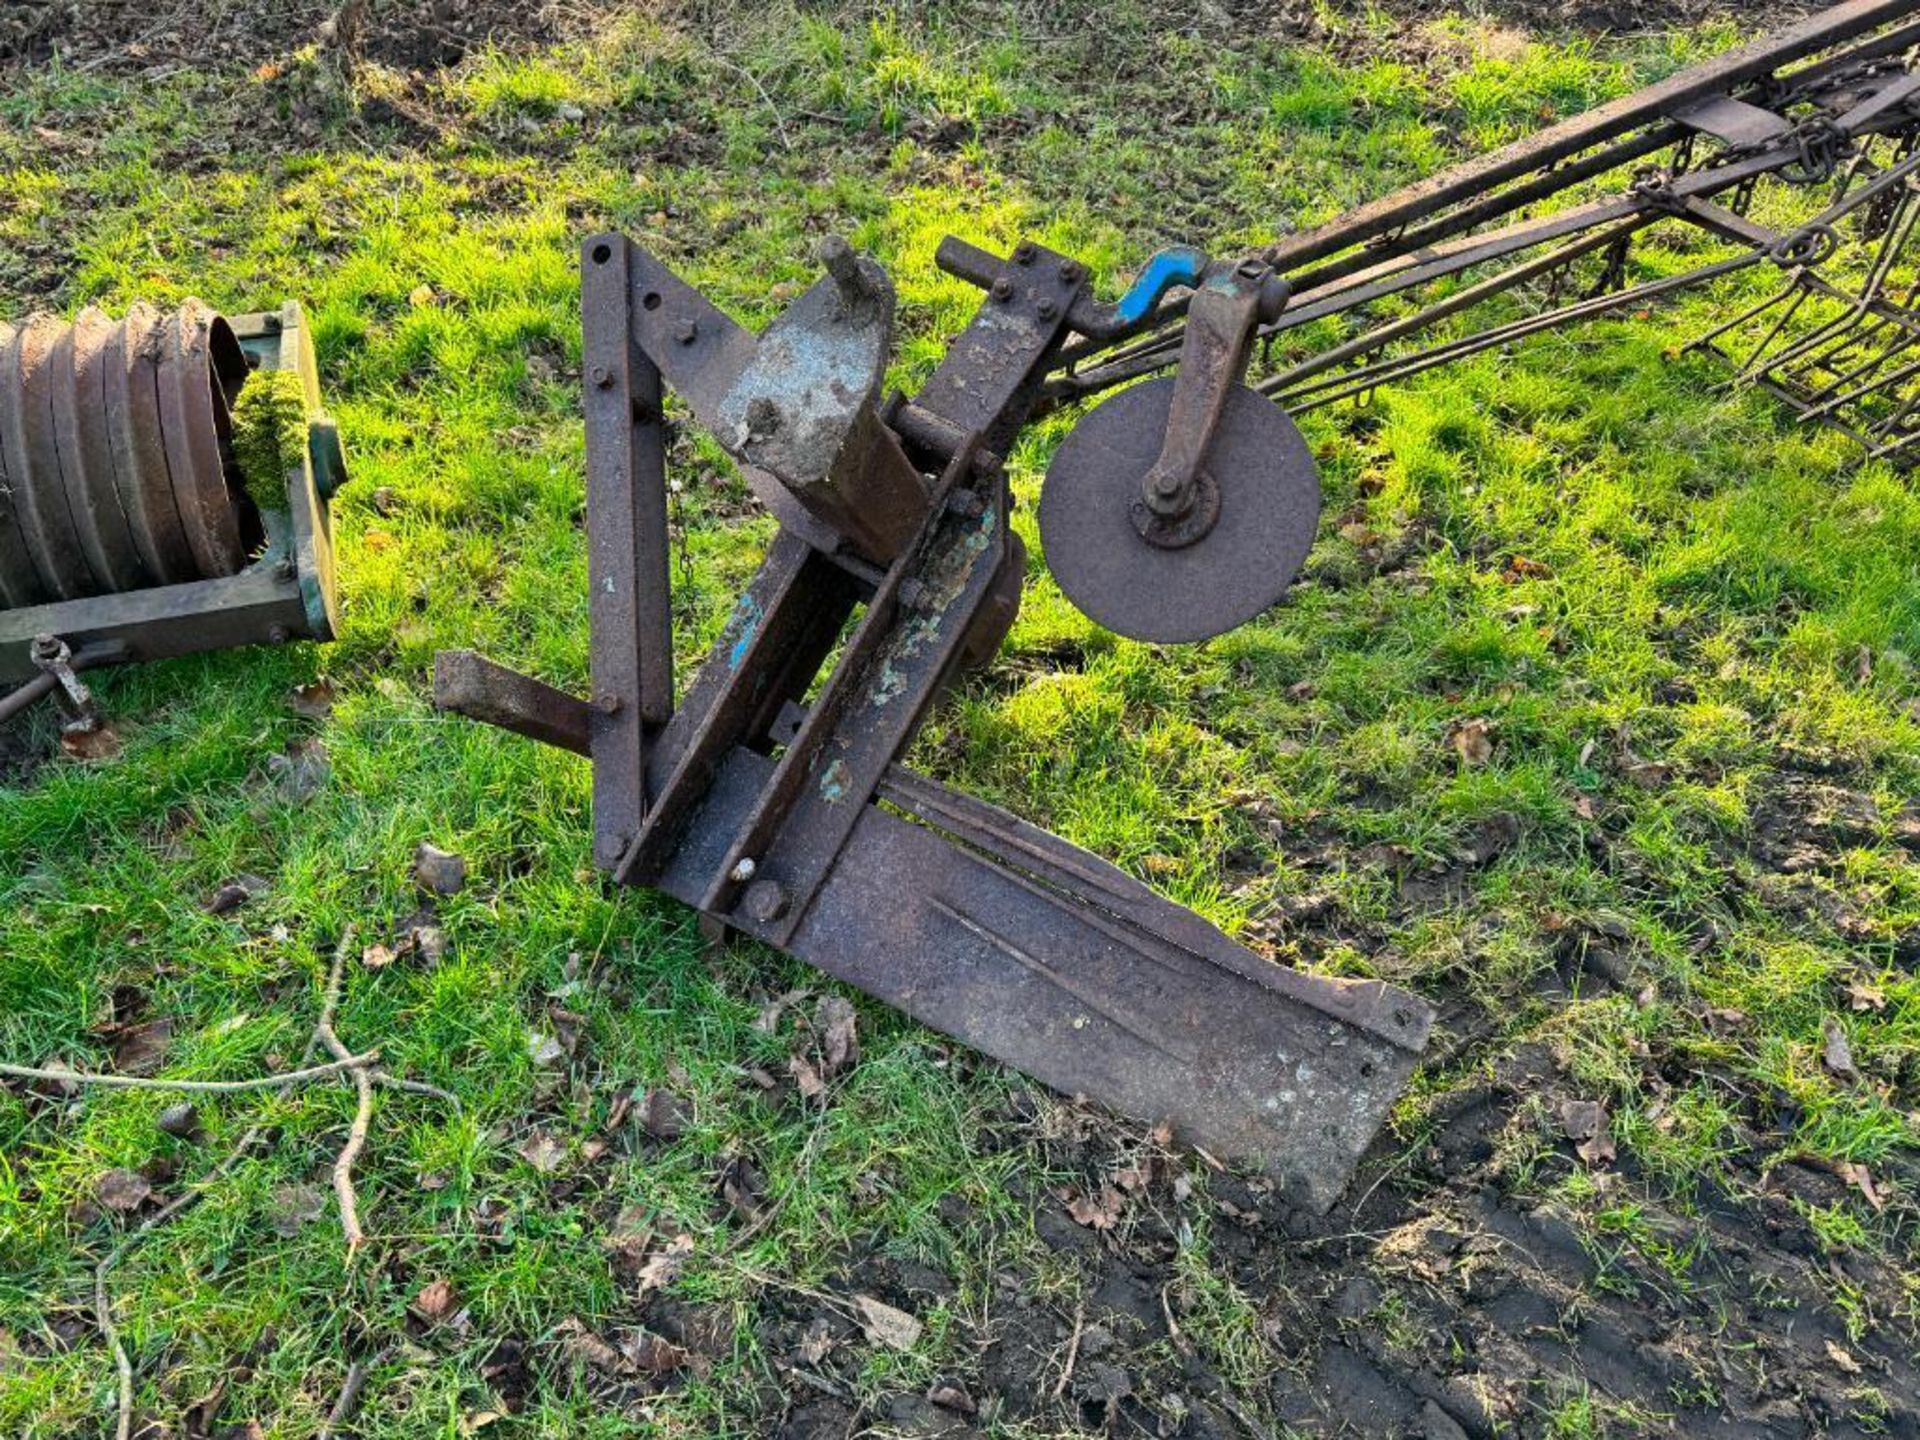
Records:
x=1716, y=593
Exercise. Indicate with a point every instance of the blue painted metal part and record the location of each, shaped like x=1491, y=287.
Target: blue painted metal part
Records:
x=1176, y=265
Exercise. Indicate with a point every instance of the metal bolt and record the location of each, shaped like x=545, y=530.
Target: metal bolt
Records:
x=686, y=332
x=1047, y=309
x=1023, y=253
x=764, y=902
x=285, y=569
x=844, y=266
x=279, y=634
x=1002, y=289
x=1070, y=272
x=743, y=871
x=602, y=377
x=607, y=703
x=967, y=504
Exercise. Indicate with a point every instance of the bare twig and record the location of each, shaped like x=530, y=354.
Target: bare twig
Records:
x=1073, y=1349
x=110, y=1333
x=196, y=1087
x=779, y=121
x=363, y=1113
x=352, y=1390
x=418, y=1087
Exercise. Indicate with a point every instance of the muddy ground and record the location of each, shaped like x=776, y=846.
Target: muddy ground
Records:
x=419, y=34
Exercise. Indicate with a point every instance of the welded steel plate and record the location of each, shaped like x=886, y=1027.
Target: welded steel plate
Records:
x=1269, y=509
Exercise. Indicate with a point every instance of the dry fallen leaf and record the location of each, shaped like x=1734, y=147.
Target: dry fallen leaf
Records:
x=1863, y=996
x=139, y=1049
x=836, y=1022
x=583, y=1345
x=1586, y=1124
x=663, y=1114
x=315, y=701
x=301, y=771
x=441, y=871
x=1134, y=1178
x=543, y=1151
x=1861, y=1178
x=1841, y=1359
x=651, y=1354
x=769, y=1017
x=1099, y=1212
x=885, y=1325
x=952, y=1397
x=664, y=1265
x=740, y=1186
x=235, y=893
x=435, y=1302
x=122, y=1190
x=1835, y=1053
x=377, y=956
x=1472, y=743
x=805, y=1077
x=1519, y=567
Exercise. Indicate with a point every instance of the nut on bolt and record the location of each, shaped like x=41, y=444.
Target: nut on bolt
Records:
x=602, y=377
x=686, y=332
x=1002, y=289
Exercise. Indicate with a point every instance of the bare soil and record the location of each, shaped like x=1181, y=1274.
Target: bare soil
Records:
x=428, y=34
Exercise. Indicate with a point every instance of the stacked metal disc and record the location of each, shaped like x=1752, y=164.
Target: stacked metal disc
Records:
x=115, y=454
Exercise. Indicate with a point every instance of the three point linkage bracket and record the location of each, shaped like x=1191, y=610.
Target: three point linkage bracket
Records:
x=759, y=810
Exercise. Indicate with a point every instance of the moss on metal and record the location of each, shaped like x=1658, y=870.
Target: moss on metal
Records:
x=269, y=434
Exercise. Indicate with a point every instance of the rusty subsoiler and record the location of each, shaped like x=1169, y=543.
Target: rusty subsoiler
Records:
x=759, y=808
x=126, y=530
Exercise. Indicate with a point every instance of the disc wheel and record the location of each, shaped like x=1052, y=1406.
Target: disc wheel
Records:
x=20, y=583
x=33, y=461
x=86, y=454
x=132, y=374
x=191, y=424
x=1269, y=498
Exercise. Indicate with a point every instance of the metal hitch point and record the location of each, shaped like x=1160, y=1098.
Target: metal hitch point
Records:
x=761, y=811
